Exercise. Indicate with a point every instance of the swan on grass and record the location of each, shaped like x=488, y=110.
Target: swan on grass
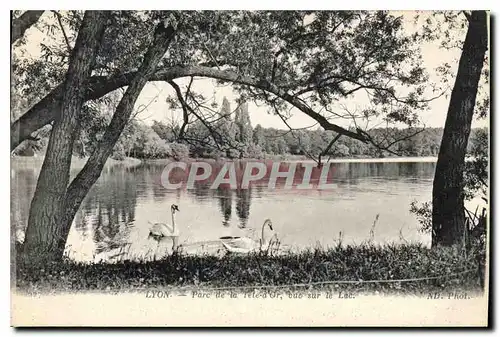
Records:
x=160, y=230
x=244, y=245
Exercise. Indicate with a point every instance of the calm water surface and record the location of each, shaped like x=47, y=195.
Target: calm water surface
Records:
x=114, y=217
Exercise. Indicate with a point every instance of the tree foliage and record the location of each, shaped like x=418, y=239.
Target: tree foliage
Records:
x=303, y=59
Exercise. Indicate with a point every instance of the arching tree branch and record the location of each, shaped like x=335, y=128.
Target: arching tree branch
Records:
x=44, y=111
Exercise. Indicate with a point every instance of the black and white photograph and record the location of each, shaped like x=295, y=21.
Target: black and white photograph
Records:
x=250, y=168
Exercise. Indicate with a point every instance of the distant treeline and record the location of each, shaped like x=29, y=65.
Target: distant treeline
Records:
x=159, y=141
x=229, y=134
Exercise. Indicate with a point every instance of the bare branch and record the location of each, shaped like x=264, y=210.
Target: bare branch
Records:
x=406, y=137
x=387, y=147
x=325, y=151
x=186, y=109
x=384, y=145
x=293, y=134
x=58, y=16
x=325, y=83
x=211, y=56
x=182, y=100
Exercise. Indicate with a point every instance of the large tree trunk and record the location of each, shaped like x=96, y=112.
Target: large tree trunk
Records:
x=82, y=183
x=43, y=236
x=22, y=23
x=448, y=217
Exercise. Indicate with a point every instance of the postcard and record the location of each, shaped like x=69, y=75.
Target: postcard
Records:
x=232, y=168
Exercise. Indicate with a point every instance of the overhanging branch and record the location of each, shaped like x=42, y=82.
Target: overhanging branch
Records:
x=46, y=110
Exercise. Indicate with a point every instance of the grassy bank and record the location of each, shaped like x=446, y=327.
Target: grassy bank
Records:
x=354, y=267
x=223, y=159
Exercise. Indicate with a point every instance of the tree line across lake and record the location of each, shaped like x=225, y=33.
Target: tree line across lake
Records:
x=232, y=136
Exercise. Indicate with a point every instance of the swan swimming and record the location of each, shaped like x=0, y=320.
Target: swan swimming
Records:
x=246, y=244
x=160, y=230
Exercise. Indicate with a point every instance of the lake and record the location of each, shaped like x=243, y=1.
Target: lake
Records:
x=114, y=218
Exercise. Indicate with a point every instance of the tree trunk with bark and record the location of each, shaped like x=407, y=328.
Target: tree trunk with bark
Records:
x=448, y=217
x=43, y=234
x=55, y=203
x=87, y=177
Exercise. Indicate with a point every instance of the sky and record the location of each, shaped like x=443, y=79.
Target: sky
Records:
x=153, y=106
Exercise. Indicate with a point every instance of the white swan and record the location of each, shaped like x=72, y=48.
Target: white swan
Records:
x=160, y=230
x=245, y=244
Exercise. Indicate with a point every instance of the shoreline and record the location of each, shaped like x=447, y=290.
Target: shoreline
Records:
x=307, y=160
x=384, y=160
x=35, y=162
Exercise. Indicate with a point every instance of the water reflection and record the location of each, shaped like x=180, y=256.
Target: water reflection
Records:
x=398, y=170
x=114, y=216
x=243, y=197
x=225, y=198
x=109, y=210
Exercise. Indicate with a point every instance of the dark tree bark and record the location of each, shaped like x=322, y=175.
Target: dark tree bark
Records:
x=43, y=234
x=82, y=183
x=22, y=23
x=448, y=217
